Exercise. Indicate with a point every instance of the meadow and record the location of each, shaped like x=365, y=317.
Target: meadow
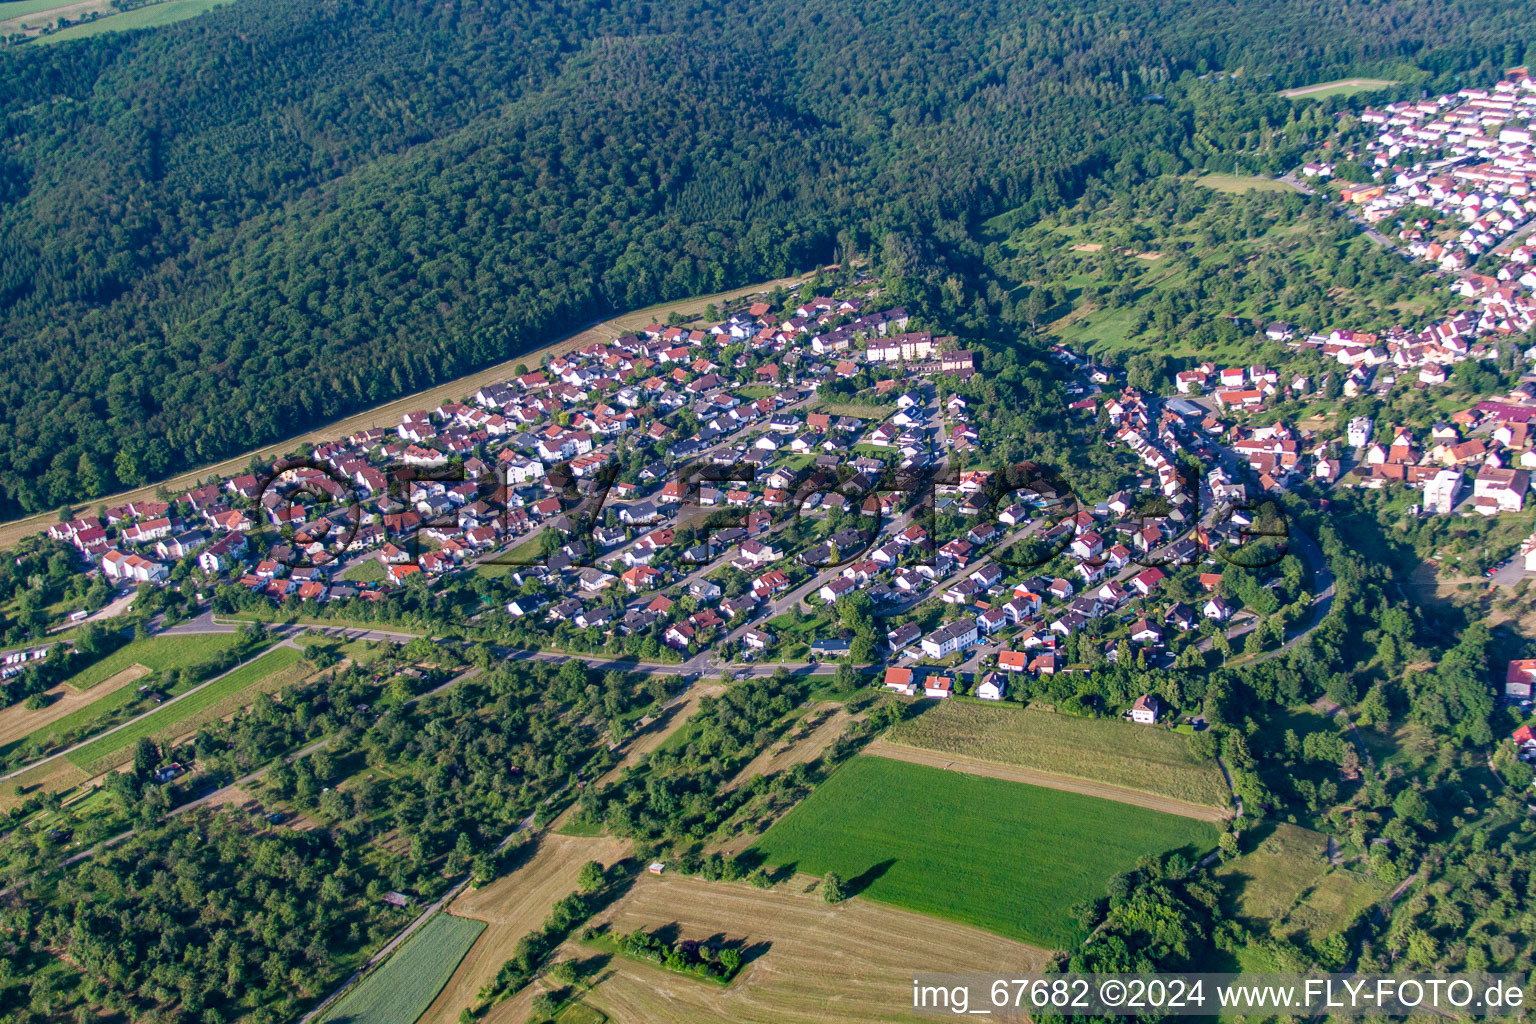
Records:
x=1265, y=882
x=150, y=16
x=401, y=990
x=1002, y=856
x=1240, y=183
x=276, y=668
x=1152, y=760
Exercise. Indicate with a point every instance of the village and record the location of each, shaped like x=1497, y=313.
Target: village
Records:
x=725, y=492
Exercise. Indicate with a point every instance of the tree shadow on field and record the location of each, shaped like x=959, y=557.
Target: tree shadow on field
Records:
x=869, y=876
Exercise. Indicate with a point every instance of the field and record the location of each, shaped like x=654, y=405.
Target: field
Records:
x=411, y=978
x=274, y=669
x=1332, y=904
x=388, y=414
x=1003, y=856
x=153, y=16
x=156, y=653
x=24, y=17
x=511, y=907
x=1338, y=87
x=1287, y=886
x=1267, y=880
x=805, y=962
x=56, y=776
x=1240, y=183
x=17, y=723
x=1151, y=760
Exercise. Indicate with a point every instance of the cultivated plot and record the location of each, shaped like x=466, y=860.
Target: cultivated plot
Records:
x=406, y=983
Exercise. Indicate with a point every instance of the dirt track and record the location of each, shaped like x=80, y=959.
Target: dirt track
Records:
x=808, y=962
x=1067, y=783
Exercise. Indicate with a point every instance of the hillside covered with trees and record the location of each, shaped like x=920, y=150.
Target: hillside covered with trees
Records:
x=220, y=233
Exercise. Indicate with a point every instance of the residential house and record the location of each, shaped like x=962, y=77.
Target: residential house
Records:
x=1146, y=709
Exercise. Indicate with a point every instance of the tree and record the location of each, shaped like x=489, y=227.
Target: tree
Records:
x=146, y=758
x=590, y=878
x=832, y=888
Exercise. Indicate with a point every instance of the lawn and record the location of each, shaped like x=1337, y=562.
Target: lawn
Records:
x=275, y=668
x=1101, y=749
x=156, y=653
x=153, y=16
x=369, y=570
x=401, y=990
x=1009, y=858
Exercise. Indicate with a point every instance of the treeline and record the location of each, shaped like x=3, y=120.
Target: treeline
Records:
x=596, y=888
x=684, y=957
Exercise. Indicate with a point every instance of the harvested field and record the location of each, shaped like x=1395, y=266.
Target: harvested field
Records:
x=17, y=723
x=1126, y=756
x=1047, y=780
x=511, y=907
x=808, y=962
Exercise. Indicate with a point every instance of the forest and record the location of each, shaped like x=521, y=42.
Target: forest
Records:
x=241, y=226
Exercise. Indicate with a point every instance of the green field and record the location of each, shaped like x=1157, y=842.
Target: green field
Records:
x=186, y=712
x=1266, y=881
x=401, y=990
x=1003, y=856
x=156, y=653
x=27, y=8
x=1102, y=749
x=153, y=16
x=1333, y=904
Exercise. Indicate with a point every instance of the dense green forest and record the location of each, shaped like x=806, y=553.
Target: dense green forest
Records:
x=219, y=233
